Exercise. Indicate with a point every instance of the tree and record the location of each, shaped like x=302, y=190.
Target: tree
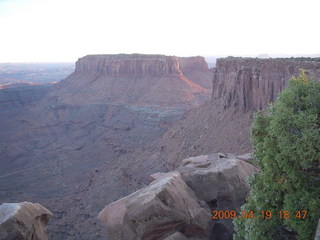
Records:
x=286, y=143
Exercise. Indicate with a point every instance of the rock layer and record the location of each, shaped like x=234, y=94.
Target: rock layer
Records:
x=25, y=221
x=136, y=79
x=139, y=65
x=251, y=84
x=178, y=205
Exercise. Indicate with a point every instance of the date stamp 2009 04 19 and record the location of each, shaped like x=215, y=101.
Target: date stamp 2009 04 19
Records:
x=216, y=215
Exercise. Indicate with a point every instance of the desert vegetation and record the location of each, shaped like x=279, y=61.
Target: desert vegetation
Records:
x=284, y=202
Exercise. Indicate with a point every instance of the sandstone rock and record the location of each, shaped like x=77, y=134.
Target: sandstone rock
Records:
x=25, y=221
x=163, y=208
x=219, y=180
x=251, y=84
x=177, y=205
x=137, y=79
x=139, y=65
x=228, y=175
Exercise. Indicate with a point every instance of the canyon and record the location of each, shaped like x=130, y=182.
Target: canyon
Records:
x=98, y=135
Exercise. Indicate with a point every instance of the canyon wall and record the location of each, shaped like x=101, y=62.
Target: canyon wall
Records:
x=96, y=136
x=241, y=86
x=72, y=146
x=250, y=84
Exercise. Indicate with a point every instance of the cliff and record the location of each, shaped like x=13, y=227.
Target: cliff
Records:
x=240, y=87
x=138, y=65
x=95, y=131
x=61, y=145
x=137, y=79
x=250, y=84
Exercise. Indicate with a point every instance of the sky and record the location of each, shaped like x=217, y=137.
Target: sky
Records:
x=65, y=30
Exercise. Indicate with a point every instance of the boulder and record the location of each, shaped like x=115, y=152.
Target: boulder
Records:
x=178, y=205
x=218, y=176
x=220, y=180
x=23, y=221
x=165, y=208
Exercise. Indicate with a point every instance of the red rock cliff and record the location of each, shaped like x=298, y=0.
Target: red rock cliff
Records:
x=139, y=65
x=137, y=79
x=250, y=84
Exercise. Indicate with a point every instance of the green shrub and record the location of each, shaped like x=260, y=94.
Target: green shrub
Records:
x=286, y=144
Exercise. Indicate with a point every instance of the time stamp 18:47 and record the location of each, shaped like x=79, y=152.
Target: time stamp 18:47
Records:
x=216, y=215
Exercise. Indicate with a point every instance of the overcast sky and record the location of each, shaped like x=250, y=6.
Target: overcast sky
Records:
x=64, y=30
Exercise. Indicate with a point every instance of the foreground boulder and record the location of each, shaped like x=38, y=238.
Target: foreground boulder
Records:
x=178, y=205
x=163, y=209
x=216, y=177
x=220, y=180
x=23, y=221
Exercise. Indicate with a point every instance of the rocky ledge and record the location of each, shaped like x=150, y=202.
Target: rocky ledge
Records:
x=178, y=205
x=23, y=221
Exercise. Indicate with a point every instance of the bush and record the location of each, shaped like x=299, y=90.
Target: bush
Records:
x=286, y=144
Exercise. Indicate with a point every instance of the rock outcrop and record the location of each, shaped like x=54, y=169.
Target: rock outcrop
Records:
x=251, y=84
x=163, y=208
x=219, y=180
x=178, y=205
x=23, y=221
x=137, y=79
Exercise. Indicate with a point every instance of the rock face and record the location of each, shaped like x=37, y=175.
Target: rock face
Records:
x=138, y=65
x=250, y=84
x=166, y=206
x=219, y=180
x=224, y=170
x=178, y=205
x=25, y=221
x=137, y=80
x=240, y=87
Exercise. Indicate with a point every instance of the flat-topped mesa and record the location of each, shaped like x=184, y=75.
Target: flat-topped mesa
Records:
x=137, y=65
x=250, y=84
x=137, y=79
